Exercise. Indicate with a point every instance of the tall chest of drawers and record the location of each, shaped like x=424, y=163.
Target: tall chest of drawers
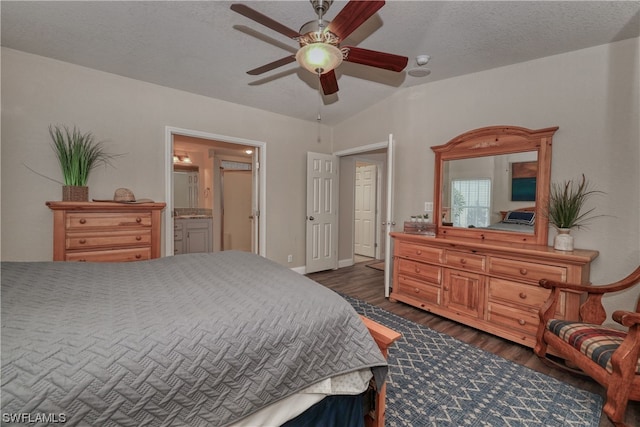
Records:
x=105, y=231
x=492, y=286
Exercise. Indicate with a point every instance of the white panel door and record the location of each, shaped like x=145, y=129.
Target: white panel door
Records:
x=322, y=212
x=236, y=210
x=365, y=211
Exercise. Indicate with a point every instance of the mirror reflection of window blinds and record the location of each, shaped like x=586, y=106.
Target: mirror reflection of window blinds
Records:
x=239, y=166
x=471, y=202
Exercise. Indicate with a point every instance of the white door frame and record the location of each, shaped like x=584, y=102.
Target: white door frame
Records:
x=262, y=171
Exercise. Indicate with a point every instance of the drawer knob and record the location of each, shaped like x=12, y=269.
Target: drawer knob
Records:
x=138, y=256
x=83, y=241
x=523, y=295
x=418, y=252
x=523, y=271
x=138, y=238
x=138, y=220
x=463, y=261
x=417, y=291
x=521, y=322
x=446, y=288
x=83, y=221
x=417, y=270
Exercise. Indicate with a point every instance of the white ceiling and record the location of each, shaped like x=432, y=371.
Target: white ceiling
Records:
x=205, y=48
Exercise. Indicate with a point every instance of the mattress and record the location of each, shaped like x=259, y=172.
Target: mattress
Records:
x=198, y=339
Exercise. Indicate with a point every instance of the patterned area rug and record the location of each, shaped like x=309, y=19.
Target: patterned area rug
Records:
x=436, y=380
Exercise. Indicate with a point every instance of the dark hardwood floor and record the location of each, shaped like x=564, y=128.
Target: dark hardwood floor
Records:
x=367, y=284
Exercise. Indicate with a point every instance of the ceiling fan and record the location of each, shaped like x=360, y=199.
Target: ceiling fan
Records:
x=320, y=51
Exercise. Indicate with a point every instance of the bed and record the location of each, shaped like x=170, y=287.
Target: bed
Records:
x=200, y=339
x=521, y=220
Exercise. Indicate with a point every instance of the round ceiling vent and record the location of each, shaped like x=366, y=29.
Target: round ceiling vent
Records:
x=420, y=70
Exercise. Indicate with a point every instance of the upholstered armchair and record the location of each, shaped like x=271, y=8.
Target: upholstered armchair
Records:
x=606, y=354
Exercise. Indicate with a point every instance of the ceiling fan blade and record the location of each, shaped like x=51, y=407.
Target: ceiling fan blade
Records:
x=329, y=82
x=373, y=58
x=264, y=20
x=354, y=14
x=272, y=65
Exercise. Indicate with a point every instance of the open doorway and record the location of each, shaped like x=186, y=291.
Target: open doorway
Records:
x=375, y=197
x=205, y=160
x=382, y=152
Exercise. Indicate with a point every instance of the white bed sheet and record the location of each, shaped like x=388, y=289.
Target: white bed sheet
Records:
x=282, y=411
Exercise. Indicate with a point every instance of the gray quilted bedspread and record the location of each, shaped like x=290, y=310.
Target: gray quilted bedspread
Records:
x=199, y=339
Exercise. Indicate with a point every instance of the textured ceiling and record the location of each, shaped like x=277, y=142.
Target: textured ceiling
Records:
x=205, y=48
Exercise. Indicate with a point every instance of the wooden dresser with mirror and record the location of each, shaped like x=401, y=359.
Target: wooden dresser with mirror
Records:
x=490, y=249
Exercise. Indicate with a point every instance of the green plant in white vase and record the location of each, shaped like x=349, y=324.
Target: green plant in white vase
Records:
x=566, y=209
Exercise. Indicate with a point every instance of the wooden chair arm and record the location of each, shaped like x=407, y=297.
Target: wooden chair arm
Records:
x=620, y=285
x=626, y=318
x=548, y=310
x=592, y=310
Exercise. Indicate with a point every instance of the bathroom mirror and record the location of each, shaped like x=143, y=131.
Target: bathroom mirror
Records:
x=186, y=181
x=493, y=183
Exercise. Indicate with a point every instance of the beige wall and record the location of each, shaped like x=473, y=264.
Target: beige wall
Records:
x=591, y=94
x=132, y=115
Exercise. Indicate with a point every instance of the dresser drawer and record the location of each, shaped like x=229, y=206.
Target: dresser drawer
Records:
x=418, y=290
x=82, y=221
x=465, y=260
x=513, y=318
x=430, y=273
x=524, y=270
x=89, y=240
x=116, y=255
x=418, y=252
x=531, y=296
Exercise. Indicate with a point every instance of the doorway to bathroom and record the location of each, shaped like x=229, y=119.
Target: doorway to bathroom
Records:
x=221, y=204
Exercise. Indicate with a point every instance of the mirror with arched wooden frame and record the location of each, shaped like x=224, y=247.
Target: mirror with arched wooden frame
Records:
x=494, y=156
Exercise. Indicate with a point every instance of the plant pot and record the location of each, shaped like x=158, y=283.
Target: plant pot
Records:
x=75, y=193
x=563, y=240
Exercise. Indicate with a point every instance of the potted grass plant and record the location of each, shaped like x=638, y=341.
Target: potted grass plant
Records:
x=566, y=209
x=78, y=154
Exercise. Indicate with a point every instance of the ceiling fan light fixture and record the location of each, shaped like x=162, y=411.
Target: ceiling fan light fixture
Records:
x=319, y=58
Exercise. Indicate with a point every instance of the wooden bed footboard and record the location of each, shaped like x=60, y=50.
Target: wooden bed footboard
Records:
x=384, y=337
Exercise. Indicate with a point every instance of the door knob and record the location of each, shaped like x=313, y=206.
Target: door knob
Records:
x=311, y=218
